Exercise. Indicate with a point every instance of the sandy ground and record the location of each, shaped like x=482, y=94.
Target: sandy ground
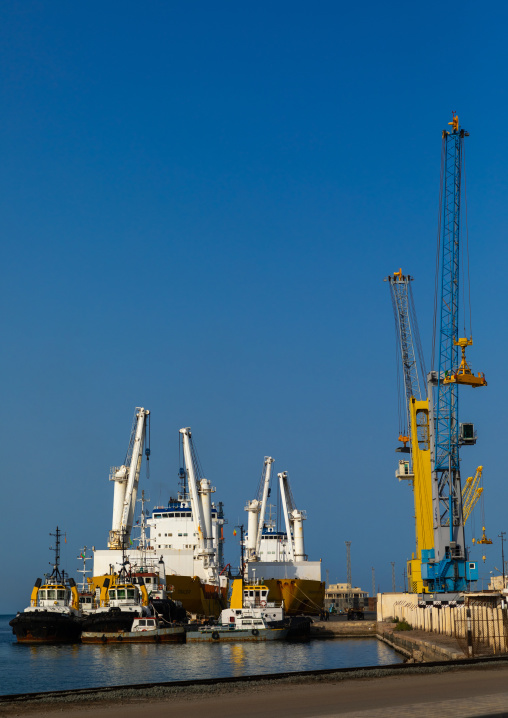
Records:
x=465, y=692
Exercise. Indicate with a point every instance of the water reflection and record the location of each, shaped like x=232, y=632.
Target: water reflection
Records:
x=237, y=658
x=42, y=668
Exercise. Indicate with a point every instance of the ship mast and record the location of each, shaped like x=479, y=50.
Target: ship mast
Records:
x=84, y=570
x=56, y=573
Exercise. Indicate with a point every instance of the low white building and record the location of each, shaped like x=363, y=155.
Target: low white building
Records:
x=342, y=596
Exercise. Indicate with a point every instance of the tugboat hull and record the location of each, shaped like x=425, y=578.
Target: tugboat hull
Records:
x=46, y=627
x=112, y=621
x=218, y=634
x=174, y=634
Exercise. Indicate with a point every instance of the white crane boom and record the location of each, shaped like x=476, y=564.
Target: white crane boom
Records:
x=284, y=491
x=126, y=486
x=201, y=507
x=266, y=485
x=197, y=512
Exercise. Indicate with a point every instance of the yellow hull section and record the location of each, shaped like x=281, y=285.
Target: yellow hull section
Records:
x=197, y=597
x=299, y=595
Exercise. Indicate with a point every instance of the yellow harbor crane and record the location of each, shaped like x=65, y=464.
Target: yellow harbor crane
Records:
x=414, y=423
x=415, y=430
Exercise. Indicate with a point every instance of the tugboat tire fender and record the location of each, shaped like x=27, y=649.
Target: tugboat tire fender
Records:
x=215, y=636
x=255, y=632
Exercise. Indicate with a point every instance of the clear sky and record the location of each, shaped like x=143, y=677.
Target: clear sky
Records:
x=199, y=203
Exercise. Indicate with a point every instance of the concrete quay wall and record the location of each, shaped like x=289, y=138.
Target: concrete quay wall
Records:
x=343, y=629
x=487, y=625
x=416, y=646
x=418, y=649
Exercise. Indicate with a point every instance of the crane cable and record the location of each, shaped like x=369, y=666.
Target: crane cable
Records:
x=147, y=448
x=417, y=341
x=438, y=252
x=467, y=246
x=401, y=395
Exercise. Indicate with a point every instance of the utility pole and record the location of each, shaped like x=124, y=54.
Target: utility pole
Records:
x=373, y=583
x=502, y=537
x=393, y=577
x=348, y=564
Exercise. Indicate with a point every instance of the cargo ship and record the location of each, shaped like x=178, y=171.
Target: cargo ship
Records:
x=186, y=533
x=276, y=554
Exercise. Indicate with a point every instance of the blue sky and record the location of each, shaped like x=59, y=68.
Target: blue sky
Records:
x=199, y=203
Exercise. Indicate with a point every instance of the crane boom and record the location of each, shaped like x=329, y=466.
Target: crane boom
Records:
x=126, y=478
x=400, y=287
x=201, y=506
x=284, y=494
x=267, y=468
x=408, y=336
x=197, y=511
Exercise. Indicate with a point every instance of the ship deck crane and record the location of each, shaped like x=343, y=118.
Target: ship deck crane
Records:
x=257, y=510
x=201, y=506
x=126, y=478
x=293, y=519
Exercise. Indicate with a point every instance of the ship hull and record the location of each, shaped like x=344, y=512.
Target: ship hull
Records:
x=300, y=596
x=112, y=621
x=175, y=634
x=197, y=597
x=46, y=627
x=220, y=635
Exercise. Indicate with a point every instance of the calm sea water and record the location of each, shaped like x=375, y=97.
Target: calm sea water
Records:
x=25, y=669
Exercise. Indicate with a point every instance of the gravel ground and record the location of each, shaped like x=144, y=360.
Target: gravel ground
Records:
x=221, y=695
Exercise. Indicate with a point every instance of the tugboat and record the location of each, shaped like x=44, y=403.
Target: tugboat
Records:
x=160, y=602
x=53, y=615
x=143, y=630
x=119, y=602
x=250, y=618
x=137, y=592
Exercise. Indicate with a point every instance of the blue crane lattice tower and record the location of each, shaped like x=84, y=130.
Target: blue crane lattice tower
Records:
x=446, y=567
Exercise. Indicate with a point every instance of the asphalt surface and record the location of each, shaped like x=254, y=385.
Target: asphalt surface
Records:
x=368, y=616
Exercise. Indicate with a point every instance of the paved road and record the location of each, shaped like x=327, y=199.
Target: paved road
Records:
x=465, y=693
